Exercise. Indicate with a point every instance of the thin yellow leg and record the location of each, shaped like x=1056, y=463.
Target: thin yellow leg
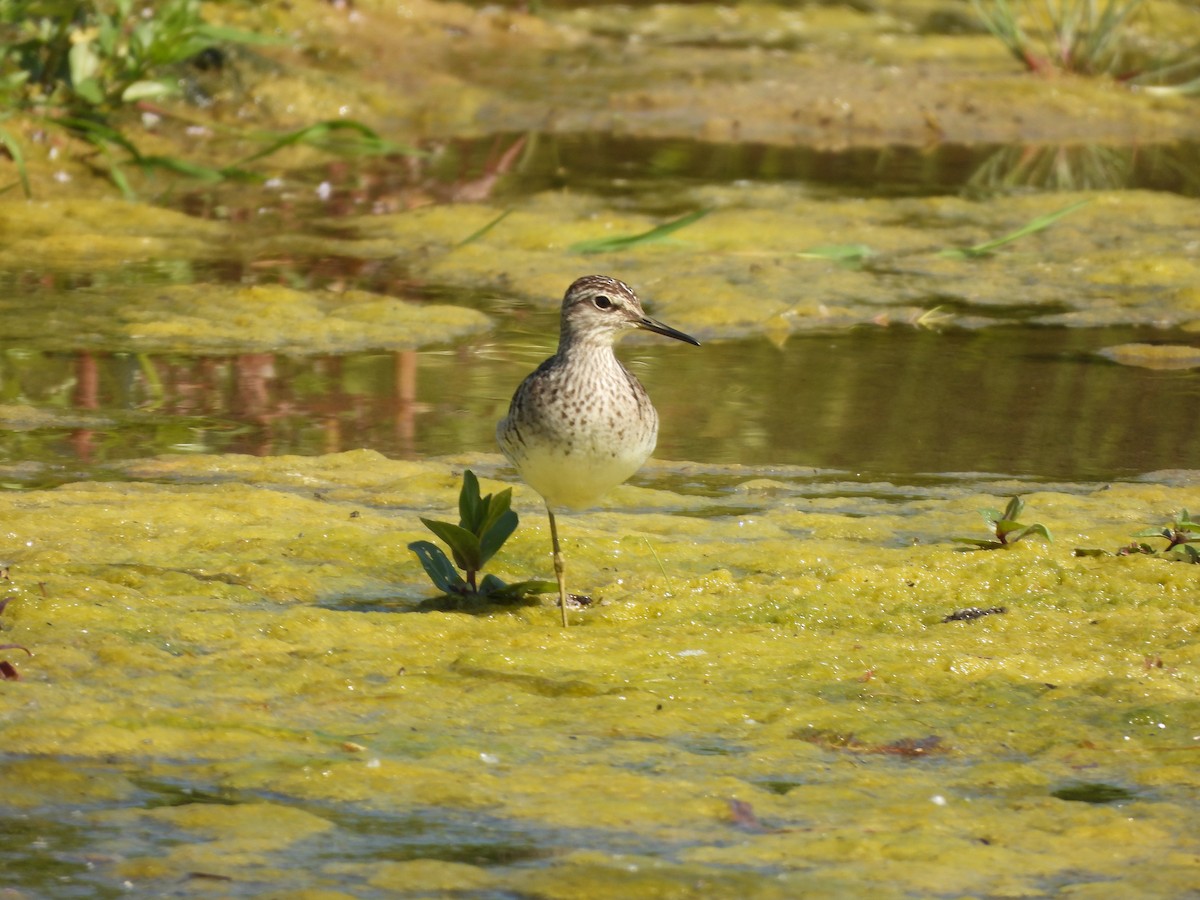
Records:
x=559, y=568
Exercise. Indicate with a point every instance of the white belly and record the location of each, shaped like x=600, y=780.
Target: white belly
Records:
x=577, y=479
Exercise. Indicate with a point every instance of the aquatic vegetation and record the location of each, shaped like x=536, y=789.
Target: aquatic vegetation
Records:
x=851, y=254
x=90, y=57
x=485, y=523
x=1058, y=167
x=1087, y=37
x=1006, y=527
x=484, y=229
x=1076, y=35
x=625, y=241
x=82, y=66
x=1040, y=223
x=859, y=255
x=1179, y=534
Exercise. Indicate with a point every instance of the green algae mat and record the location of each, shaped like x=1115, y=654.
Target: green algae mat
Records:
x=238, y=687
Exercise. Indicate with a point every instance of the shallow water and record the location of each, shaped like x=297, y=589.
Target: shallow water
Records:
x=648, y=169
x=876, y=403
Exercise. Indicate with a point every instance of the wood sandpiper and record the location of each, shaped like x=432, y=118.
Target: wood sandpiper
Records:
x=581, y=423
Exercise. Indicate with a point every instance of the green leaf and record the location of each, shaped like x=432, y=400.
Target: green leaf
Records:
x=978, y=542
x=99, y=133
x=491, y=586
x=1039, y=224
x=851, y=253
x=14, y=80
x=469, y=503
x=182, y=167
x=991, y=516
x=223, y=34
x=496, y=506
x=366, y=142
x=1167, y=90
x=624, y=242
x=438, y=568
x=480, y=232
x=14, y=150
x=522, y=588
x=497, y=533
x=525, y=588
x=1013, y=510
x=84, y=63
x=144, y=90
x=117, y=174
x=1153, y=532
x=1036, y=528
x=1007, y=526
x=90, y=91
x=464, y=546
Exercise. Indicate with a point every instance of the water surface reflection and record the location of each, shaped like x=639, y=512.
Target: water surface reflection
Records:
x=878, y=402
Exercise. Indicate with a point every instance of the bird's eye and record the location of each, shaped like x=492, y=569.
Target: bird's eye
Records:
x=602, y=302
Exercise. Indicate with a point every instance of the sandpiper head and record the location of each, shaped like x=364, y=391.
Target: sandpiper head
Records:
x=597, y=307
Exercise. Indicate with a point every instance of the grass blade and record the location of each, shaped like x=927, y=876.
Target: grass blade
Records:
x=224, y=34
x=624, y=242
x=1169, y=90
x=18, y=158
x=183, y=167
x=1039, y=224
x=368, y=143
x=843, y=253
x=478, y=233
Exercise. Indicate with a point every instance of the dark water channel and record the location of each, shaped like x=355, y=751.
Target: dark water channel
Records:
x=642, y=167
x=876, y=402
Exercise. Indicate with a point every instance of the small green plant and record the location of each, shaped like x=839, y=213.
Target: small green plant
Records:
x=82, y=66
x=1087, y=37
x=1006, y=527
x=92, y=56
x=1180, y=535
x=484, y=524
x=1084, y=36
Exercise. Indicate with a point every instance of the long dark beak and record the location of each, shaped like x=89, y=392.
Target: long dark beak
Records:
x=666, y=330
